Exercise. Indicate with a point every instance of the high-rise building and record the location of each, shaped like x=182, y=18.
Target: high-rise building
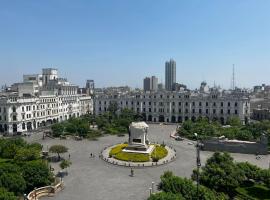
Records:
x=147, y=84
x=150, y=83
x=170, y=74
x=154, y=81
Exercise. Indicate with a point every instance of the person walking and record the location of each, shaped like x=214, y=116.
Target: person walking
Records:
x=131, y=172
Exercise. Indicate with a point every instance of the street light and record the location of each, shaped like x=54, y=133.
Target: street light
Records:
x=198, y=162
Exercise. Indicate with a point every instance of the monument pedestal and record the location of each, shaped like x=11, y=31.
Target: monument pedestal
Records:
x=138, y=140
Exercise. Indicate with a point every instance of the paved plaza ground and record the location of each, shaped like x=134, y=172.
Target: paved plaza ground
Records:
x=94, y=179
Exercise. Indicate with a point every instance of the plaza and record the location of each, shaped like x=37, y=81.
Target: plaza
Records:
x=95, y=179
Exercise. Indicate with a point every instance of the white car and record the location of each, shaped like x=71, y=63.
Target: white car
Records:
x=190, y=143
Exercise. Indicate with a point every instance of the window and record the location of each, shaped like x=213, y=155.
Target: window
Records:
x=13, y=109
x=229, y=111
x=200, y=103
x=179, y=110
x=173, y=103
x=149, y=109
x=206, y=111
x=221, y=111
x=206, y=103
x=214, y=104
x=200, y=111
x=193, y=110
x=149, y=103
x=214, y=111
x=179, y=103
x=235, y=104
x=235, y=112
x=186, y=103
x=193, y=103
x=221, y=104
x=229, y=104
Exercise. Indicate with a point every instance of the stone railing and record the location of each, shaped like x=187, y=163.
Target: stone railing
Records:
x=45, y=191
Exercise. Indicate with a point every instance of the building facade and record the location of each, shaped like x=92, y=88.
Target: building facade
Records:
x=170, y=74
x=41, y=100
x=176, y=107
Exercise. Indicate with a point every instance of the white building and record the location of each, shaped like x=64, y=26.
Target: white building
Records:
x=172, y=106
x=41, y=100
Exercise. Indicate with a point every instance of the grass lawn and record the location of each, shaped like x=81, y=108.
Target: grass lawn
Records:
x=255, y=192
x=118, y=154
x=158, y=153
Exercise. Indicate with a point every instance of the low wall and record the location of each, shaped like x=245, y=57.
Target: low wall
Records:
x=45, y=191
x=235, y=147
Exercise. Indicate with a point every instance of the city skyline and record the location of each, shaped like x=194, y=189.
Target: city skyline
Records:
x=116, y=45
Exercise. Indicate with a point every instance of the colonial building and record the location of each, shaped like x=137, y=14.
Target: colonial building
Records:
x=40, y=100
x=172, y=106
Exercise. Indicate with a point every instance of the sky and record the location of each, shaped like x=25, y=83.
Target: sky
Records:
x=119, y=42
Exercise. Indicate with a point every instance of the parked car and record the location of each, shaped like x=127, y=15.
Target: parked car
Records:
x=178, y=138
x=26, y=134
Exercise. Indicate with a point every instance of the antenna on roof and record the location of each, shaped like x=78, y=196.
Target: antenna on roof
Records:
x=233, y=80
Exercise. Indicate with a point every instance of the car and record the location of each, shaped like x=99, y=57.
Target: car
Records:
x=26, y=134
x=190, y=143
x=178, y=138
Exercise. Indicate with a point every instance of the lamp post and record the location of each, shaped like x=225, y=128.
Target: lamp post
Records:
x=153, y=185
x=198, y=162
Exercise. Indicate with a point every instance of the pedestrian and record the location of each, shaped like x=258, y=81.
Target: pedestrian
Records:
x=131, y=172
x=91, y=155
x=69, y=156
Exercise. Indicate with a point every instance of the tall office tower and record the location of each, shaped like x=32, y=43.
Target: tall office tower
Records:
x=170, y=74
x=147, y=85
x=154, y=83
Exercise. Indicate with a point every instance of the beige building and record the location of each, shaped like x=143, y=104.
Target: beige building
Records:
x=168, y=106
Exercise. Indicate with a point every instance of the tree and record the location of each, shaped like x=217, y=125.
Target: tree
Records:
x=166, y=196
x=58, y=149
x=36, y=174
x=221, y=174
x=5, y=195
x=65, y=164
x=234, y=121
x=113, y=107
x=27, y=154
x=185, y=187
x=13, y=182
x=57, y=129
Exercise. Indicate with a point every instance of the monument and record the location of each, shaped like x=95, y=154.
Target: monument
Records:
x=138, y=138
